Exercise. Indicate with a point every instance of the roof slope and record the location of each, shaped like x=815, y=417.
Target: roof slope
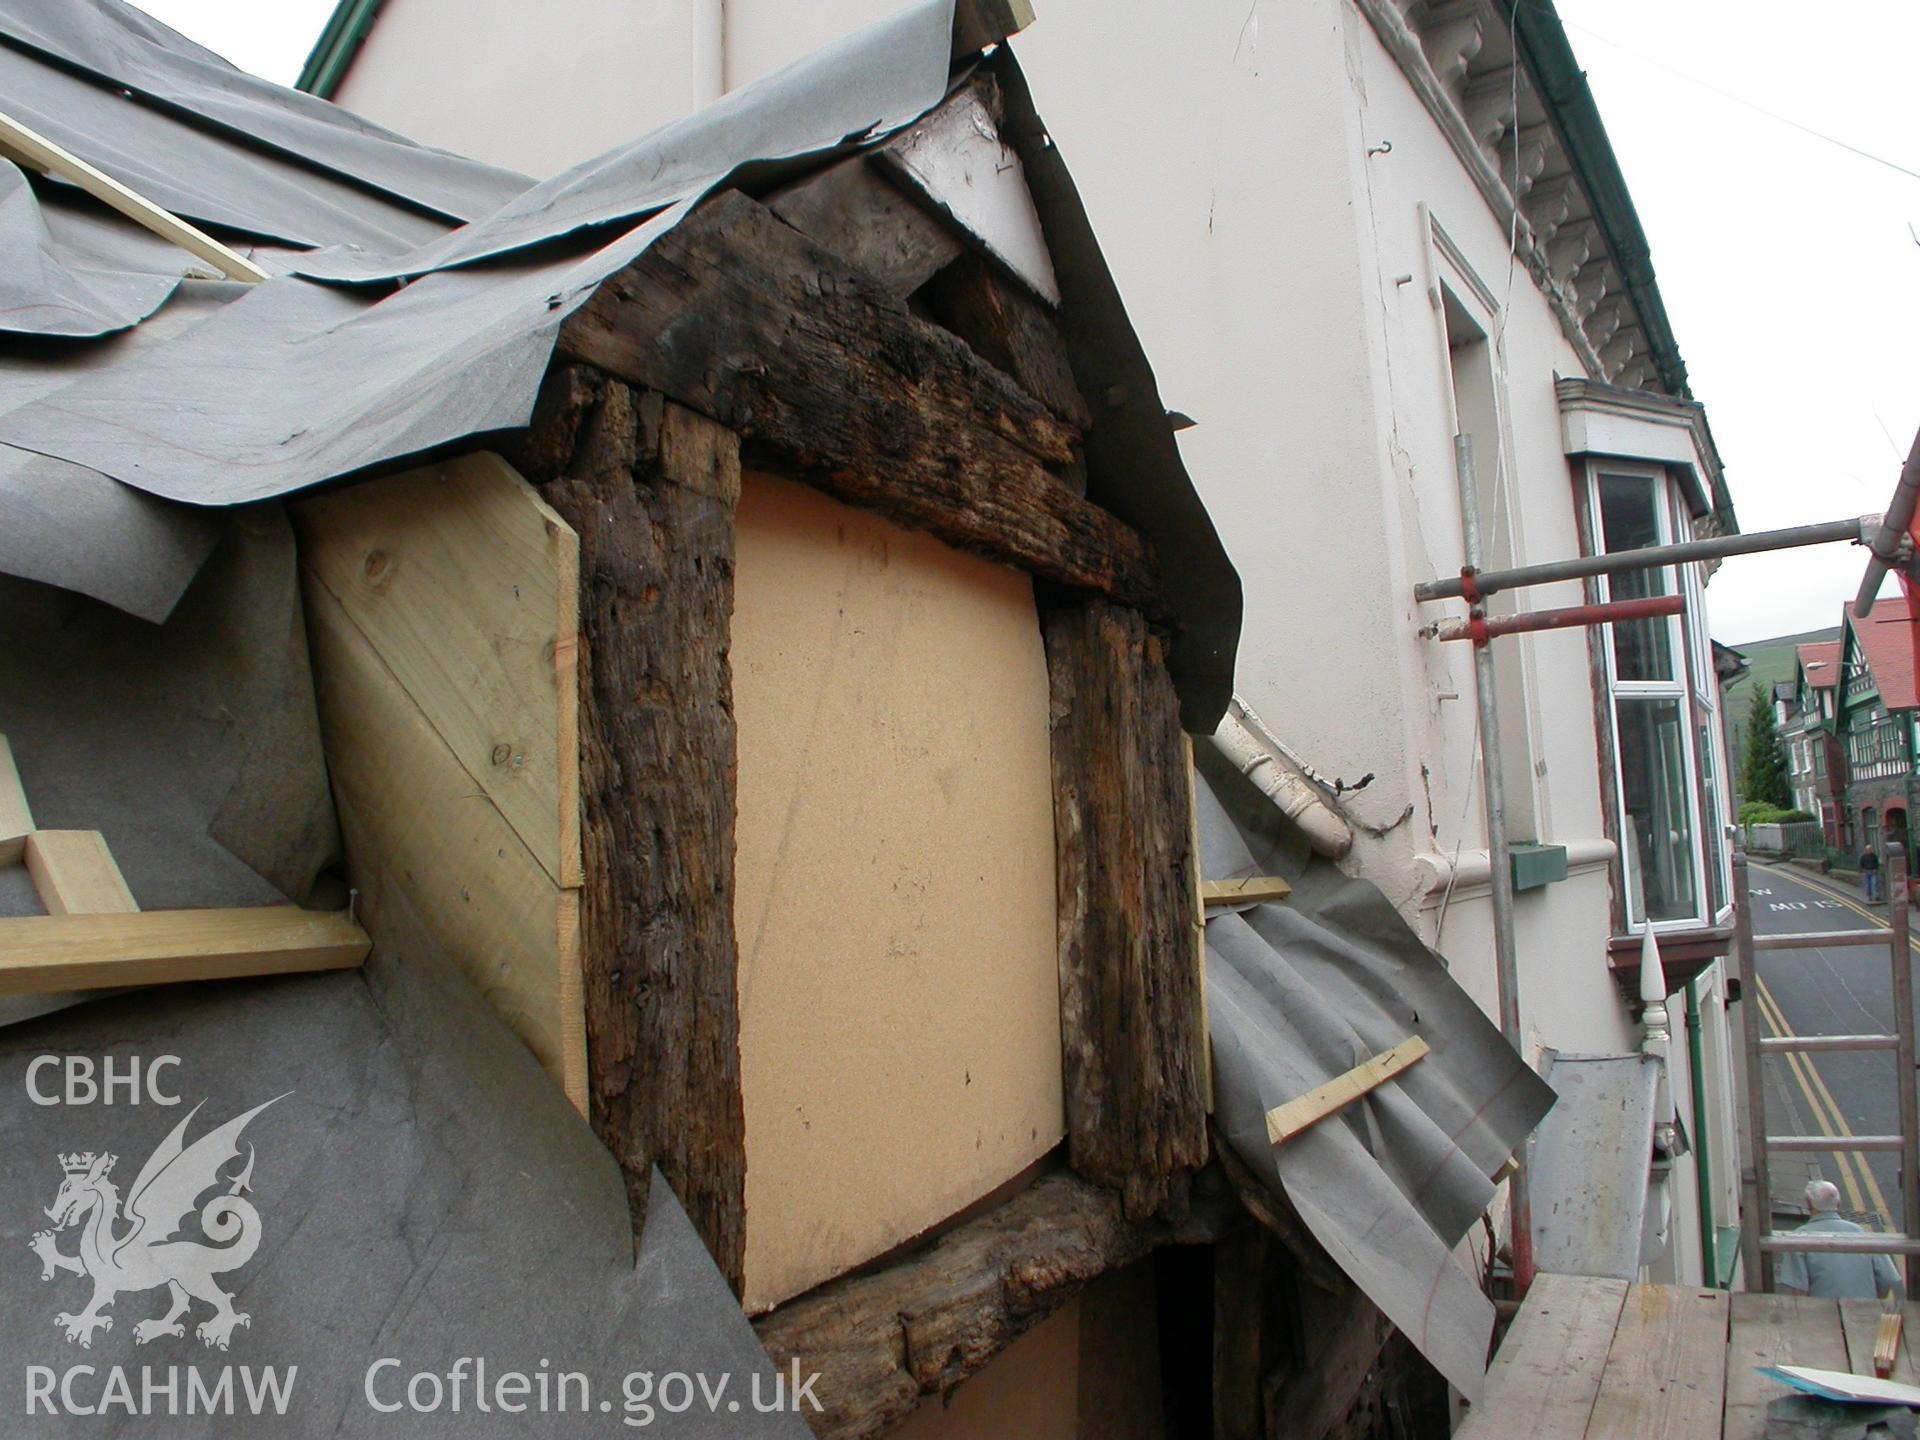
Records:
x=1886, y=637
x=1821, y=663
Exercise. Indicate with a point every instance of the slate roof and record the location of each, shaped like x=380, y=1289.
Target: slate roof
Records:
x=1886, y=638
x=1821, y=663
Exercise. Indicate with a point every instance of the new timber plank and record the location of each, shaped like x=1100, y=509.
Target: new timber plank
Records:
x=1545, y=1377
x=404, y=797
x=1860, y=1322
x=1775, y=1330
x=44, y=953
x=466, y=583
x=74, y=874
x=16, y=819
x=1248, y=889
x=1666, y=1372
x=1288, y=1120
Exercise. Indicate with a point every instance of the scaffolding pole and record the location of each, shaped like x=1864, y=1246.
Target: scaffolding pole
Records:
x=1862, y=530
x=1493, y=790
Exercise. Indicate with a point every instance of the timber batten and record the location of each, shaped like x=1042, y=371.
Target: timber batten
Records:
x=651, y=489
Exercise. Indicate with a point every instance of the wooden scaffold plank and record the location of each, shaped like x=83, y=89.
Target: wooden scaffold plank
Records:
x=1666, y=1373
x=1547, y=1373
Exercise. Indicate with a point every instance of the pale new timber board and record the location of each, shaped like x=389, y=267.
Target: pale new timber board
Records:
x=409, y=808
x=75, y=874
x=1286, y=1121
x=1547, y=1373
x=16, y=819
x=1860, y=1320
x=1666, y=1373
x=1775, y=1330
x=1251, y=888
x=43, y=953
x=466, y=584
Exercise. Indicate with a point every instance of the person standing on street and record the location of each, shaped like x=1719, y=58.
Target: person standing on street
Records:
x=1833, y=1277
x=1870, y=874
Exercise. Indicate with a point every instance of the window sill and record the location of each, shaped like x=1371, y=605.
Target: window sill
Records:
x=1683, y=955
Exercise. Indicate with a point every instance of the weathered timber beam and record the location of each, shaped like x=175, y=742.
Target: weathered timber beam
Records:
x=1130, y=995
x=881, y=1341
x=651, y=488
x=868, y=221
x=830, y=379
x=1010, y=330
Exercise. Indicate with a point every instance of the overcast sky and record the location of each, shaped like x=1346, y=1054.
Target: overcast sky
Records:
x=1790, y=267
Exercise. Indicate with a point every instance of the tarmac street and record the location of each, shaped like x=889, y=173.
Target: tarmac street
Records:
x=1842, y=990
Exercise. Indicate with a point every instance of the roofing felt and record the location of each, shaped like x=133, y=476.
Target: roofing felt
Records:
x=1300, y=992
x=415, y=1189
x=1886, y=638
x=1821, y=662
x=296, y=383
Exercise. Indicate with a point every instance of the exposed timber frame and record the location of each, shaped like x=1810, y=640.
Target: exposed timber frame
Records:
x=839, y=337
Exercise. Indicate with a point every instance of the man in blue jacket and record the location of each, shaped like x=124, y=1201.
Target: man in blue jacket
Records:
x=1827, y=1276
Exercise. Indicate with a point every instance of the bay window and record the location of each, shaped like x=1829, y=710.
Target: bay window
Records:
x=1667, y=758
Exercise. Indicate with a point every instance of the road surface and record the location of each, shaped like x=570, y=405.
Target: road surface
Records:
x=1839, y=990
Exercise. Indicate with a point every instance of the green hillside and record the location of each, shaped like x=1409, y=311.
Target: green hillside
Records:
x=1771, y=662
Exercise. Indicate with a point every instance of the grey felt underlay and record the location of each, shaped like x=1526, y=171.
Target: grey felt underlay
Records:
x=1301, y=991
x=118, y=48
x=298, y=384
x=424, y=1193
x=192, y=747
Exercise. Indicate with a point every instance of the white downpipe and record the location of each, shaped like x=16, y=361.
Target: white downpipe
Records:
x=1244, y=740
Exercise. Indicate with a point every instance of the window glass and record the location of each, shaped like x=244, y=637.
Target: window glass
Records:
x=1654, y=779
x=1629, y=520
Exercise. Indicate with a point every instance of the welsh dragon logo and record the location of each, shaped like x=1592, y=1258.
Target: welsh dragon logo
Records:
x=144, y=1254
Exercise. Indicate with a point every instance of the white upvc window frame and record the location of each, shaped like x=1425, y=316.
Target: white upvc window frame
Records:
x=1687, y=647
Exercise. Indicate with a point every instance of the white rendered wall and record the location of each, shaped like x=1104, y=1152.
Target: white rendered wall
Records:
x=535, y=87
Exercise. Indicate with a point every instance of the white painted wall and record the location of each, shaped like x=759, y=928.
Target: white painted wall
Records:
x=1282, y=280
x=535, y=87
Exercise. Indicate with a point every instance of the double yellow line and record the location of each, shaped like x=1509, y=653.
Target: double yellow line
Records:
x=1854, y=1170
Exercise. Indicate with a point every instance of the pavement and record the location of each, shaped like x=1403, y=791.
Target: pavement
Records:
x=1841, y=990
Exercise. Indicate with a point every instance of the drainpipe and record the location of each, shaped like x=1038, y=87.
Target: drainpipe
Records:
x=1499, y=856
x=1256, y=754
x=1702, y=1161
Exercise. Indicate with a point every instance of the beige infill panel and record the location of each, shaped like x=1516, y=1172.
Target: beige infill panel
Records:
x=899, y=990
x=442, y=605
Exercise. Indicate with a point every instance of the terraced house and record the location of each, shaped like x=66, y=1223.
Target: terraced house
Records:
x=1874, y=720
x=1804, y=714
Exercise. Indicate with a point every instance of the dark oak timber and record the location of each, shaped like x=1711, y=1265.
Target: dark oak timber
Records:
x=830, y=379
x=881, y=1341
x=1130, y=1004
x=651, y=489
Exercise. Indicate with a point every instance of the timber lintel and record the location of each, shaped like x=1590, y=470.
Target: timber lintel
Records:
x=829, y=378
